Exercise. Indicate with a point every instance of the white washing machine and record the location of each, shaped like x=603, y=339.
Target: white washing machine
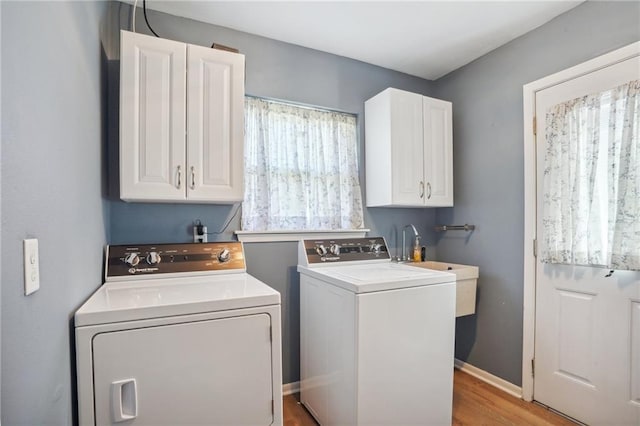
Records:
x=377, y=338
x=179, y=334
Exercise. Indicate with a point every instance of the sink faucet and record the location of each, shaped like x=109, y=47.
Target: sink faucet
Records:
x=405, y=257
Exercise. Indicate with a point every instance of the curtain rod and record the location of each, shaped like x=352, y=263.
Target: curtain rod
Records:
x=300, y=104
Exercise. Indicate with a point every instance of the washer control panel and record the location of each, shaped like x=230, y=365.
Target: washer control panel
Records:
x=158, y=259
x=345, y=250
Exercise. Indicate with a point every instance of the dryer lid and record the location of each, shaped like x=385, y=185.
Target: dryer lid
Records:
x=146, y=299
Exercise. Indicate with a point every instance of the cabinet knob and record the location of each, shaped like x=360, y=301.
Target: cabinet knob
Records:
x=179, y=177
x=421, y=189
x=428, y=190
x=193, y=177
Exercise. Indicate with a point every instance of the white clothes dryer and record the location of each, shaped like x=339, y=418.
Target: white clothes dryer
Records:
x=179, y=334
x=377, y=338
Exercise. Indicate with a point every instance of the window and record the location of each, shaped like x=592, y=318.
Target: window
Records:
x=301, y=168
x=591, y=185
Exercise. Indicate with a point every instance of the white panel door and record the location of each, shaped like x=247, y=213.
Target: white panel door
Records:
x=438, y=152
x=407, y=148
x=214, y=372
x=215, y=124
x=587, y=338
x=152, y=118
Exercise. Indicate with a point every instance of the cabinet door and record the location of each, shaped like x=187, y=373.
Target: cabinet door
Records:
x=407, y=149
x=215, y=125
x=152, y=118
x=438, y=153
x=214, y=372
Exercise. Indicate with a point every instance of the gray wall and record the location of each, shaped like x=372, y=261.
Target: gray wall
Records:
x=58, y=123
x=283, y=71
x=488, y=165
x=0, y=221
x=53, y=131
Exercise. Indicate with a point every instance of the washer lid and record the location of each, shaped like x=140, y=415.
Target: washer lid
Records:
x=136, y=300
x=365, y=278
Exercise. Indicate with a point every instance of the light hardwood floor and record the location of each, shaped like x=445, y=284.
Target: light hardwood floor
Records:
x=475, y=403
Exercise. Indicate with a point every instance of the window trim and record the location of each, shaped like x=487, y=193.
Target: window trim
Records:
x=288, y=235
x=529, y=296
x=303, y=105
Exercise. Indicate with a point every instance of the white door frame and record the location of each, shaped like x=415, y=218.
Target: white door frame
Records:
x=529, y=92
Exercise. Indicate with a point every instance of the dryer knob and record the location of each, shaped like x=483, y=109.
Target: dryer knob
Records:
x=375, y=248
x=132, y=259
x=321, y=250
x=153, y=258
x=224, y=256
x=335, y=249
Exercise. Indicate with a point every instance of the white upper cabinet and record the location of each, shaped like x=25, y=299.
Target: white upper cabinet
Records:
x=408, y=150
x=181, y=122
x=152, y=118
x=438, y=152
x=215, y=125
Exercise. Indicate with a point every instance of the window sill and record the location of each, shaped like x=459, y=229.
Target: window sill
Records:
x=271, y=236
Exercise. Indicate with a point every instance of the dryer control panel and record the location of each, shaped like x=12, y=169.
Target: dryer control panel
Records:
x=344, y=250
x=157, y=259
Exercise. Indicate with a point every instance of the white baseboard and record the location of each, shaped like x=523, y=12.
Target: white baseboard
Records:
x=508, y=387
x=489, y=378
x=289, y=388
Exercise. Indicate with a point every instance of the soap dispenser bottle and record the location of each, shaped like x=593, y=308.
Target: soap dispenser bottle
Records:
x=417, y=251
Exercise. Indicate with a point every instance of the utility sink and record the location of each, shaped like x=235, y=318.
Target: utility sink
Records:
x=466, y=284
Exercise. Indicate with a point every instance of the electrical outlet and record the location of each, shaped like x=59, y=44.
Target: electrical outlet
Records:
x=31, y=266
x=199, y=234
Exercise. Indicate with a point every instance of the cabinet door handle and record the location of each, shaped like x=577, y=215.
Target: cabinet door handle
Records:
x=193, y=177
x=124, y=400
x=421, y=189
x=179, y=177
x=428, y=190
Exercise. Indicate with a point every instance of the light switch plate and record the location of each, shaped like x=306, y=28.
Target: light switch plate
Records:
x=31, y=266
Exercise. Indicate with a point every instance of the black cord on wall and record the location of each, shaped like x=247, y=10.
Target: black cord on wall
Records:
x=226, y=225
x=144, y=11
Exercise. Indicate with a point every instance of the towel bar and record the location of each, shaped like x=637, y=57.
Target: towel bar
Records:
x=465, y=227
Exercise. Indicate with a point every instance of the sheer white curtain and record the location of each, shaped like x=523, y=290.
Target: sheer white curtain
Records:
x=301, y=168
x=591, y=183
x=624, y=177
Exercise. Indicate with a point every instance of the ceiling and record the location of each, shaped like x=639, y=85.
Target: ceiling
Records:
x=427, y=39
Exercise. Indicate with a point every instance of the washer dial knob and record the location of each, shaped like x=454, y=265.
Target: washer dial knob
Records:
x=224, y=256
x=335, y=249
x=375, y=248
x=321, y=250
x=132, y=259
x=153, y=258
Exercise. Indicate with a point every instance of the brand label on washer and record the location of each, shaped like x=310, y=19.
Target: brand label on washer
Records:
x=136, y=270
